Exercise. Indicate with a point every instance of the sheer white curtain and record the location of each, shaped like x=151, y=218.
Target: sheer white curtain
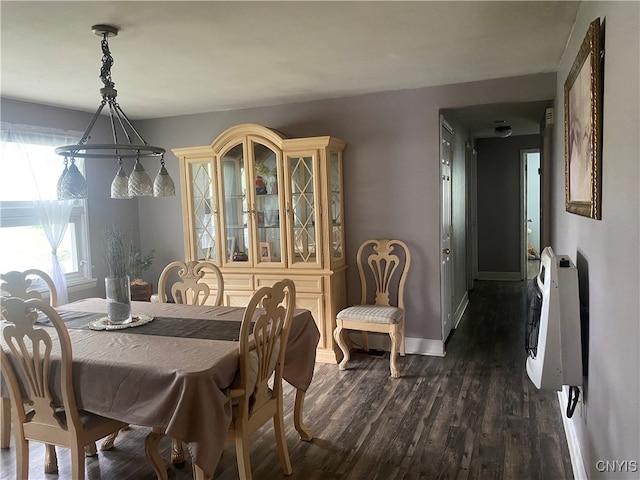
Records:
x=54, y=217
x=23, y=146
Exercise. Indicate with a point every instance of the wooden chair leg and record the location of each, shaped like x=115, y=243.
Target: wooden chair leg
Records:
x=402, y=349
x=337, y=334
x=393, y=333
x=242, y=456
x=77, y=461
x=22, y=458
x=365, y=341
x=5, y=421
x=281, y=441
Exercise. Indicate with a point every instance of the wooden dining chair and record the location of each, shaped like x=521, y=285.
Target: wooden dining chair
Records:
x=21, y=285
x=383, y=266
x=27, y=355
x=192, y=288
x=263, y=339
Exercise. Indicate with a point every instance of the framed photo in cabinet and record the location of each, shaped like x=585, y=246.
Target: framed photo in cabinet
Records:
x=265, y=251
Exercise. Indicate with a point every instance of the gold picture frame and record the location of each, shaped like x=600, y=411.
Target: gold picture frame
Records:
x=583, y=128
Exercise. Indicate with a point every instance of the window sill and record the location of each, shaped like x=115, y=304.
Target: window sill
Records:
x=80, y=283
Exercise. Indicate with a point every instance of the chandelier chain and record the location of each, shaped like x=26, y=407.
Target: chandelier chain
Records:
x=107, y=62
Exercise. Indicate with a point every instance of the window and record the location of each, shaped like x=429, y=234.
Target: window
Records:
x=30, y=169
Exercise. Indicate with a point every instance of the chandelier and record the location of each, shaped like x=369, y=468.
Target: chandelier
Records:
x=127, y=143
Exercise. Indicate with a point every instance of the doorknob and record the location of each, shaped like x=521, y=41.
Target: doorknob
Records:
x=446, y=251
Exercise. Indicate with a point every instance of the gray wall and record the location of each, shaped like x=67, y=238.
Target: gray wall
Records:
x=606, y=251
x=391, y=172
x=499, y=204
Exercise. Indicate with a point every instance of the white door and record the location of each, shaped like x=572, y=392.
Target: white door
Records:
x=446, y=229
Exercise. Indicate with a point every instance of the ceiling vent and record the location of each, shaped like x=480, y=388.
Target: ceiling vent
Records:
x=503, y=131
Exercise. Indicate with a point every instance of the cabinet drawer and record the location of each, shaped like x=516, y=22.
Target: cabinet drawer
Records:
x=237, y=281
x=303, y=284
x=237, y=299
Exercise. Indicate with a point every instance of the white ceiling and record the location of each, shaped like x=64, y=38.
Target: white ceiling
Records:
x=175, y=58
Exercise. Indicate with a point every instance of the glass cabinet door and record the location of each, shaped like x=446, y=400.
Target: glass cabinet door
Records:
x=267, y=204
x=303, y=211
x=233, y=174
x=337, y=212
x=204, y=209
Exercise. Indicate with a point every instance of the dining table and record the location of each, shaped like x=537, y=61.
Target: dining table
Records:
x=172, y=371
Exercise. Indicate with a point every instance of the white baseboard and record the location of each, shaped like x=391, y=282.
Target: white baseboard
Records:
x=414, y=346
x=499, y=276
x=577, y=463
x=460, y=310
x=424, y=346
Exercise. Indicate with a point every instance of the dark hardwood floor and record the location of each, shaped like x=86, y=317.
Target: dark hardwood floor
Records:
x=470, y=415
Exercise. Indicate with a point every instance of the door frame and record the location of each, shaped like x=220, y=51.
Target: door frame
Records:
x=523, y=208
x=472, y=205
x=446, y=281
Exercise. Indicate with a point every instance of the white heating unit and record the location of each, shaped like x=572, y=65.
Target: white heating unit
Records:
x=553, y=324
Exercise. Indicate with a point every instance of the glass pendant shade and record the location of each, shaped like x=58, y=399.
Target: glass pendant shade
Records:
x=120, y=185
x=140, y=184
x=71, y=185
x=163, y=185
x=59, y=190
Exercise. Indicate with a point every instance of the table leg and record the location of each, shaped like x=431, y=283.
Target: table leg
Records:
x=5, y=420
x=158, y=463
x=108, y=442
x=177, y=452
x=305, y=432
x=90, y=450
x=198, y=473
x=50, y=459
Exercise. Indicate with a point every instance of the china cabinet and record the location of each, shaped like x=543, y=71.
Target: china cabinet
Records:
x=264, y=207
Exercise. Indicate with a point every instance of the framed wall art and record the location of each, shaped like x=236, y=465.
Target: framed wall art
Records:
x=583, y=127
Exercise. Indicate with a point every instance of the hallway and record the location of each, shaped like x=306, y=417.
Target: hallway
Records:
x=470, y=415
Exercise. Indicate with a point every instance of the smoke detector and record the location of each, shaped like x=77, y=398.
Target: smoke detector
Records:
x=503, y=131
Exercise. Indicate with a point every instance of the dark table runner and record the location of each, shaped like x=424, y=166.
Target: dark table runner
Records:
x=228, y=330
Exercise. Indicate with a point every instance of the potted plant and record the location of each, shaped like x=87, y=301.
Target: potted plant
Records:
x=138, y=263
x=117, y=282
